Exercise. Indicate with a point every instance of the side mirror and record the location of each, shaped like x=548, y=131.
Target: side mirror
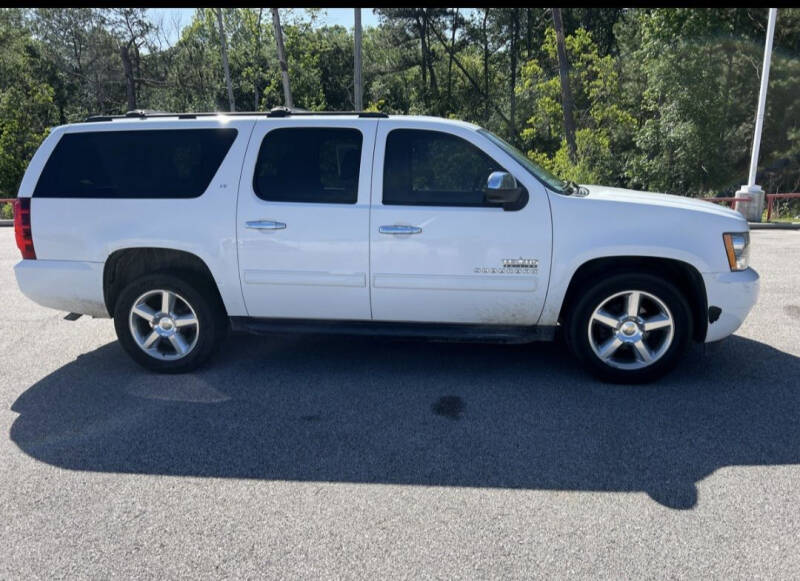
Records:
x=502, y=188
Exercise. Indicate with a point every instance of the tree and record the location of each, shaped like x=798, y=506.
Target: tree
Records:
x=605, y=128
x=26, y=101
x=131, y=27
x=659, y=99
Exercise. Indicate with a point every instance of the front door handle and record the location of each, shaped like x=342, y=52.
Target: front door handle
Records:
x=398, y=229
x=265, y=225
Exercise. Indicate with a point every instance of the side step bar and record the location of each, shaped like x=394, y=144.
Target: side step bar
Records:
x=431, y=331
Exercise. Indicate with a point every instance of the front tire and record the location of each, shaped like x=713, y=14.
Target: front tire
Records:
x=630, y=328
x=169, y=323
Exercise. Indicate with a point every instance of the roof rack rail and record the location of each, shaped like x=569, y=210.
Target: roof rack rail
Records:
x=274, y=112
x=286, y=112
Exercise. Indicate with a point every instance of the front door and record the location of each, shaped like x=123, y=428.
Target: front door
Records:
x=303, y=218
x=439, y=251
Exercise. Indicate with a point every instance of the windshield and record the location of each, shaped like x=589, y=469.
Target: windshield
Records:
x=537, y=171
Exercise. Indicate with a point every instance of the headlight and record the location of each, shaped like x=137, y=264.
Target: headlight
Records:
x=737, y=247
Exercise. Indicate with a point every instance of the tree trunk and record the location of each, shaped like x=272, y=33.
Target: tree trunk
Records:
x=424, y=67
x=287, y=91
x=513, y=87
x=137, y=62
x=566, y=94
x=256, y=52
x=528, y=32
x=485, y=66
x=450, y=63
x=130, y=86
x=431, y=71
x=224, y=44
x=358, y=90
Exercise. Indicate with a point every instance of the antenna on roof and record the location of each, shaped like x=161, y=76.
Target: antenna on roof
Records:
x=146, y=113
x=279, y=112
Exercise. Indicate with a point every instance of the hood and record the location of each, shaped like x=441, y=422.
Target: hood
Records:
x=663, y=200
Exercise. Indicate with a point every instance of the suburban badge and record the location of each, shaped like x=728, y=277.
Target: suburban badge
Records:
x=512, y=266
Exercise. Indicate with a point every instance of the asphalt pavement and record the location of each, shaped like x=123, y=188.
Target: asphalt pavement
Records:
x=330, y=457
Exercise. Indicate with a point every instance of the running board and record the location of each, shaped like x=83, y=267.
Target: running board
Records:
x=430, y=331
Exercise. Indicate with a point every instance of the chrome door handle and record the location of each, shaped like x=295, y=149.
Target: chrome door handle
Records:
x=265, y=225
x=397, y=229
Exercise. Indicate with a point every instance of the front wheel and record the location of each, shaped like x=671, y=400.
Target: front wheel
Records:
x=168, y=323
x=630, y=328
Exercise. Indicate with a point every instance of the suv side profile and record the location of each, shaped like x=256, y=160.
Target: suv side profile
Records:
x=181, y=227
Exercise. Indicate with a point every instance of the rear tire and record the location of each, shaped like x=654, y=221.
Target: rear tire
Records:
x=630, y=328
x=169, y=323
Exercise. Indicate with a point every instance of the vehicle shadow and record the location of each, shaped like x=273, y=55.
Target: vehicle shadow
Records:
x=317, y=408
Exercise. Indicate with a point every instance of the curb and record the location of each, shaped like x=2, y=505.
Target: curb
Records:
x=774, y=225
x=6, y=223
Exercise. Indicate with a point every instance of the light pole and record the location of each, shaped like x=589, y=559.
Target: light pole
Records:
x=754, y=207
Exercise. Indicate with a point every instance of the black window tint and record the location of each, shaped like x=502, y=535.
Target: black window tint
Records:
x=134, y=164
x=430, y=168
x=309, y=164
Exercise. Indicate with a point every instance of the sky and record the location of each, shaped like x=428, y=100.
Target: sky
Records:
x=330, y=16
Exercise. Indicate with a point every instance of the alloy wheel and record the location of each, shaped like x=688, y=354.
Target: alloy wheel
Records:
x=631, y=330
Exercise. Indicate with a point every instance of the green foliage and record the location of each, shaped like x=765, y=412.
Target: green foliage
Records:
x=696, y=70
x=663, y=98
x=604, y=124
x=26, y=102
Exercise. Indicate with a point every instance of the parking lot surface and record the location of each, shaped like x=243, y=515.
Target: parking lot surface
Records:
x=318, y=457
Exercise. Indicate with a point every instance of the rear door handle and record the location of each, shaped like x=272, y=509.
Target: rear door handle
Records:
x=265, y=225
x=398, y=229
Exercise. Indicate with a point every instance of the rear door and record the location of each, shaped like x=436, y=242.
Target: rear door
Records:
x=303, y=218
x=439, y=252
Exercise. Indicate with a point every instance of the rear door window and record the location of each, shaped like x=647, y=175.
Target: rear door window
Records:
x=309, y=164
x=134, y=164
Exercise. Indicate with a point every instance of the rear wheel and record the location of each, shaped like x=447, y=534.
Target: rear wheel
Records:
x=169, y=323
x=630, y=328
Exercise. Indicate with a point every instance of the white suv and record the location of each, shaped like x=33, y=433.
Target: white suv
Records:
x=183, y=226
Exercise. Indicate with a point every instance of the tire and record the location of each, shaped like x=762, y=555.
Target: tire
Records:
x=620, y=347
x=171, y=343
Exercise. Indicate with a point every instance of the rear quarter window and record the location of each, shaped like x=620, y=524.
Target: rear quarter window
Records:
x=158, y=163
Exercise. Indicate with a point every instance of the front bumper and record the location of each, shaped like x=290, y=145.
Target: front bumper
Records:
x=734, y=293
x=66, y=285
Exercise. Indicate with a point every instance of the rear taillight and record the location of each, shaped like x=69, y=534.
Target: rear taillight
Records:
x=22, y=227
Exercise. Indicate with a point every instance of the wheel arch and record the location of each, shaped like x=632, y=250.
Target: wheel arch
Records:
x=682, y=274
x=125, y=265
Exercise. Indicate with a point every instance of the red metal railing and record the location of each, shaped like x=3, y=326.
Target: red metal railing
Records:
x=772, y=197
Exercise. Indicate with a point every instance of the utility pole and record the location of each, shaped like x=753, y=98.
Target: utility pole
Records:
x=358, y=90
x=287, y=91
x=754, y=207
x=231, y=103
